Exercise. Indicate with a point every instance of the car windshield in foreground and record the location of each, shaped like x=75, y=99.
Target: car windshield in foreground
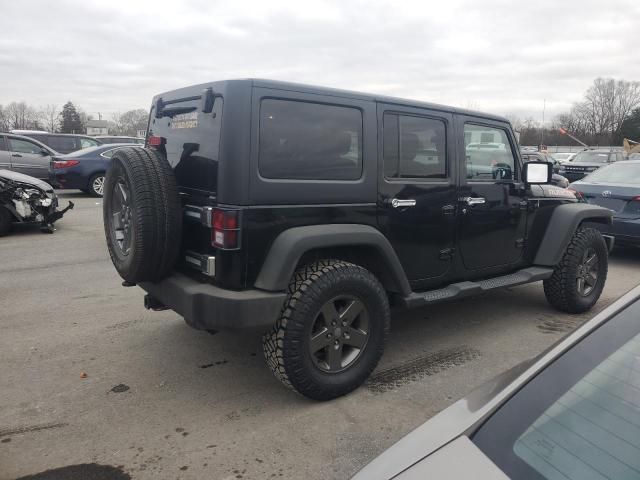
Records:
x=580, y=417
x=620, y=172
x=591, y=157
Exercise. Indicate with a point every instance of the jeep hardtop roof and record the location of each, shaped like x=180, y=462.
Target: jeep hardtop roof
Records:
x=327, y=91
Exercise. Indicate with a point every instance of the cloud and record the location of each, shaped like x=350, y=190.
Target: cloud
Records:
x=496, y=55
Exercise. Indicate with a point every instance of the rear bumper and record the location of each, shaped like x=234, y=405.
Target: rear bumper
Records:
x=207, y=307
x=625, y=230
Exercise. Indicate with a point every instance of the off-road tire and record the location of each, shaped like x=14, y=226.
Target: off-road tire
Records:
x=286, y=346
x=156, y=222
x=6, y=219
x=90, y=187
x=561, y=288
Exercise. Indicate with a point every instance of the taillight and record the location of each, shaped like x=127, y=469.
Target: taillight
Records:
x=64, y=163
x=575, y=192
x=636, y=198
x=155, y=141
x=225, y=229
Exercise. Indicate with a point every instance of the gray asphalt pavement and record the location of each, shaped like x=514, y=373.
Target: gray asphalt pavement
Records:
x=163, y=401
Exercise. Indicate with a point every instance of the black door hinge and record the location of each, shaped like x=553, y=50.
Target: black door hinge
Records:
x=447, y=253
x=521, y=242
x=448, y=209
x=524, y=205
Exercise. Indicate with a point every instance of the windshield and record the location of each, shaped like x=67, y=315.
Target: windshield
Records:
x=591, y=157
x=580, y=417
x=620, y=172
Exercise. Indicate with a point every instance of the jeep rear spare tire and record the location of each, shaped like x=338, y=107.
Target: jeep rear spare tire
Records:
x=142, y=215
x=332, y=330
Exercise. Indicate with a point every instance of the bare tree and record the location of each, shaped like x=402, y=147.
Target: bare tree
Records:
x=50, y=117
x=128, y=123
x=4, y=120
x=606, y=105
x=22, y=116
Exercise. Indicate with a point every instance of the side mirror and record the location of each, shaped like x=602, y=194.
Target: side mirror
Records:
x=44, y=153
x=537, y=173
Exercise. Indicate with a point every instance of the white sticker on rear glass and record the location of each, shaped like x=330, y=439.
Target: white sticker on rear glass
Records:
x=185, y=120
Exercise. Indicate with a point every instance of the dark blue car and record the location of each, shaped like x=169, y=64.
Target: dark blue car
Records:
x=85, y=169
x=616, y=187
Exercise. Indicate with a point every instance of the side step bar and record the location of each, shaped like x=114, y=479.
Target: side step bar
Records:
x=466, y=289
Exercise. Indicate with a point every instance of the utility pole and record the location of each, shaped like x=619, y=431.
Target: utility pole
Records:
x=544, y=107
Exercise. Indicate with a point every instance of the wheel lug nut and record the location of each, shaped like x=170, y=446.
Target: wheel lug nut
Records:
x=344, y=324
x=329, y=335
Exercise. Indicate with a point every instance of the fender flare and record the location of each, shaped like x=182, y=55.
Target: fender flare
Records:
x=563, y=223
x=290, y=245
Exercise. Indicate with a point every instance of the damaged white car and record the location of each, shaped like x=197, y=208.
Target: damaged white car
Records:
x=25, y=199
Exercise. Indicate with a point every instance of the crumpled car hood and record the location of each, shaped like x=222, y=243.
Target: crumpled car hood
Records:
x=26, y=179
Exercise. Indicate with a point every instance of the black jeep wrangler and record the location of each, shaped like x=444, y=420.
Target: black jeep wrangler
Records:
x=306, y=212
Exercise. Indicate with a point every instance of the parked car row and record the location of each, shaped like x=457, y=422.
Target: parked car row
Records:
x=588, y=161
x=68, y=143
x=83, y=169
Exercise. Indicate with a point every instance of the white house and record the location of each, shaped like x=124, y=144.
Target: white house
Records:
x=97, y=127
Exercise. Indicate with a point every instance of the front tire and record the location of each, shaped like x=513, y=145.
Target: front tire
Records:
x=578, y=280
x=6, y=219
x=332, y=331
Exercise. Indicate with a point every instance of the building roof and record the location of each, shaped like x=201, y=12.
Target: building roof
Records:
x=97, y=123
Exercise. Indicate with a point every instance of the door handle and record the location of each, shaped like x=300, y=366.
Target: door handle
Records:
x=473, y=200
x=16, y=155
x=397, y=203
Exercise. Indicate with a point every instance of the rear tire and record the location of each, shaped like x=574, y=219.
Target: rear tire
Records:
x=578, y=280
x=96, y=185
x=332, y=330
x=142, y=215
x=6, y=220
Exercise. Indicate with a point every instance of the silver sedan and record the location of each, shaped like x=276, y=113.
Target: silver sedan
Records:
x=573, y=412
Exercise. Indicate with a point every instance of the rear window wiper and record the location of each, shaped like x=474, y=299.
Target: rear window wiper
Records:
x=206, y=104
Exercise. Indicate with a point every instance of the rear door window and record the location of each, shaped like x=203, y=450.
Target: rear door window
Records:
x=309, y=141
x=414, y=147
x=62, y=144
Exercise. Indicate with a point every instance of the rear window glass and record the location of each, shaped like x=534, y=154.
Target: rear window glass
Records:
x=627, y=173
x=87, y=142
x=309, y=141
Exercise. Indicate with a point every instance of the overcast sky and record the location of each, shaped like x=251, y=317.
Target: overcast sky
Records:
x=500, y=56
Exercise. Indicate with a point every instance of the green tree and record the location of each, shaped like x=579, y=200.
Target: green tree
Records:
x=631, y=126
x=70, y=121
